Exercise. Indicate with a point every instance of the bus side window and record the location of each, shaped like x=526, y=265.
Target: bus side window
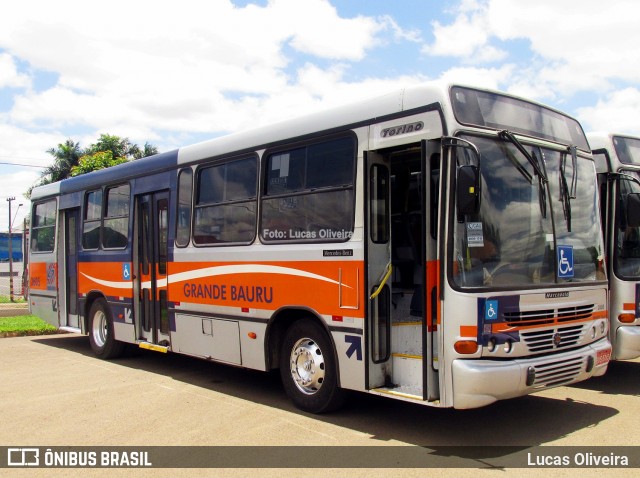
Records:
x=91, y=223
x=225, y=208
x=115, y=232
x=185, y=192
x=43, y=229
x=434, y=166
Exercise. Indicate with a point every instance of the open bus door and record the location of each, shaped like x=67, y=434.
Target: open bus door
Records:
x=403, y=271
x=150, y=270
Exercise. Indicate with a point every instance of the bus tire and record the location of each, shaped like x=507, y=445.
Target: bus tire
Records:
x=308, y=370
x=101, y=336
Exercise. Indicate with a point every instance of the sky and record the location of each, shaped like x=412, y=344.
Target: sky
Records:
x=176, y=73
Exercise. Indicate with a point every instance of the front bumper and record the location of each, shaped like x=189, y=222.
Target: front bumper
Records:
x=480, y=382
x=627, y=342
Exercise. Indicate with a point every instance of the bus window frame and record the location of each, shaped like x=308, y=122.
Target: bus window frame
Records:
x=102, y=216
x=269, y=153
x=195, y=189
x=52, y=226
x=188, y=241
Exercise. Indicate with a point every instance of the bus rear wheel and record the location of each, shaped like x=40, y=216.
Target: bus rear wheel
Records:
x=101, y=336
x=308, y=369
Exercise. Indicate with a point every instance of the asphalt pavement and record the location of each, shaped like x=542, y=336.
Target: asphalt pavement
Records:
x=54, y=392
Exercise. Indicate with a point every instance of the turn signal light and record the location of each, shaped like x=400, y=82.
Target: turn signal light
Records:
x=252, y=335
x=466, y=346
x=627, y=318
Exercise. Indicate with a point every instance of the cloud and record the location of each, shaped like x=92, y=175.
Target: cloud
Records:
x=9, y=75
x=583, y=44
x=176, y=68
x=491, y=78
x=467, y=38
x=618, y=112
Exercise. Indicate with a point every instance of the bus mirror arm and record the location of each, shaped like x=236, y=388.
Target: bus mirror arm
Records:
x=467, y=176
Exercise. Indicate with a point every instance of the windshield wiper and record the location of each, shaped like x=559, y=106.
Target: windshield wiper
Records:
x=542, y=197
x=535, y=164
x=566, y=194
x=509, y=136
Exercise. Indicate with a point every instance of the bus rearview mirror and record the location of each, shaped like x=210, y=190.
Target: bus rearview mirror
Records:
x=467, y=189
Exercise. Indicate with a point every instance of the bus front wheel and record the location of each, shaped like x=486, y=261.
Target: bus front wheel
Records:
x=308, y=369
x=101, y=336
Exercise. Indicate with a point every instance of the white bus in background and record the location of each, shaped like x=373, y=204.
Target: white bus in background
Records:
x=440, y=245
x=618, y=166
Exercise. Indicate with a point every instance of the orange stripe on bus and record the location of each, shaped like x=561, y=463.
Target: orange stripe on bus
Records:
x=328, y=287
x=628, y=306
x=469, y=331
x=601, y=314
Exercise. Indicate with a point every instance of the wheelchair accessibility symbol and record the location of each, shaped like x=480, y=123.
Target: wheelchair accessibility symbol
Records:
x=126, y=271
x=491, y=310
x=565, y=262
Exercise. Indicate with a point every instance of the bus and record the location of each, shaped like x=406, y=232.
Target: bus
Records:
x=618, y=167
x=440, y=244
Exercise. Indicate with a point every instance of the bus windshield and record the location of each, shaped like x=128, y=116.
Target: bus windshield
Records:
x=627, y=149
x=491, y=110
x=527, y=223
x=627, y=244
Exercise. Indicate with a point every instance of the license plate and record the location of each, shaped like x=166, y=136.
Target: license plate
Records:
x=603, y=356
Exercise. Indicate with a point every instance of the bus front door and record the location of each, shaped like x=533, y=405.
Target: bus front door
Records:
x=401, y=243
x=152, y=219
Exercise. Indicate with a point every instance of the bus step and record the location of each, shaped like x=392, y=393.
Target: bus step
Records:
x=406, y=338
x=407, y=370
x=154, y=347
x=72, y=330
x=409, y=392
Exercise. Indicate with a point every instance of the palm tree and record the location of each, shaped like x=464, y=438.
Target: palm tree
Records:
x=119, y=147
x=149, y=150
x=66, y=156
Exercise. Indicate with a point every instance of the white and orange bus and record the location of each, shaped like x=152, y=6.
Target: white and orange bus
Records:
x=441, y=244
x=618, y=166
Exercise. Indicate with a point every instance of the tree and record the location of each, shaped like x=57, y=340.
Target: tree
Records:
x=95, y=161
x=119, y=147
x=66, y=155
x=149, y=150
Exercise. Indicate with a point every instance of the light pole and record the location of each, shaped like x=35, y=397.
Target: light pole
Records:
x=11, y=246
x=9, y=199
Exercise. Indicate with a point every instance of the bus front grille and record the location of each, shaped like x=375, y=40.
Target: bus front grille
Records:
x=553, y=339
x=523, y=318
x=557, y=373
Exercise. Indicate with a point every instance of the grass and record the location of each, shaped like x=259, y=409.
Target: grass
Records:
x=17, y=299
x=24, y=325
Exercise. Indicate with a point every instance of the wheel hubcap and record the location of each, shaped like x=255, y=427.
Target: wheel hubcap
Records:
x=307, y=366
x=99, y=329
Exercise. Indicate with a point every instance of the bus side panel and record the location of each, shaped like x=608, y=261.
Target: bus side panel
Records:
x=349, y=349
x=625, y=337
x=43, y=297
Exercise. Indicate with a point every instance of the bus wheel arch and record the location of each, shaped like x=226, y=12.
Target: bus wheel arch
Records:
x=101, y=331
x=301, y=345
